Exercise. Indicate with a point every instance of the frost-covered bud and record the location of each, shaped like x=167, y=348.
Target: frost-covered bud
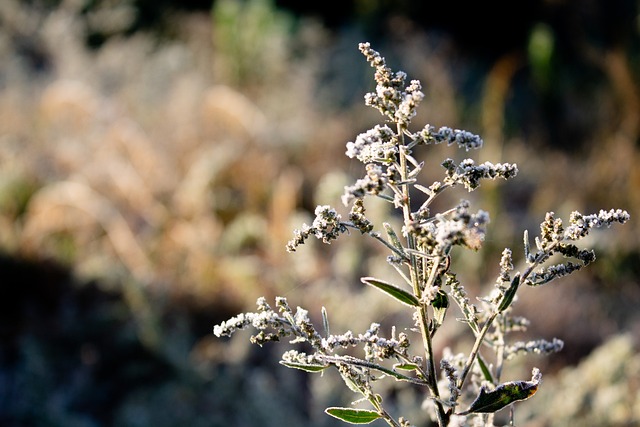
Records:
x=506, y=266
x=536, y=346
x=391, y=97
x=551, y=231
x=581, y=224
x=299, y=237
x=409, y=104
x=326, y=226
x=376, y=60
x=375, y=145
x=358, y=218
x=373, y=183
x=450, y=373
x=547, y=274
x=437, y=235
x=463, y=138
x=469, y=174
x=299, y=358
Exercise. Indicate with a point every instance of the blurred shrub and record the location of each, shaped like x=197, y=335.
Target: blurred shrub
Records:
x=601, y=390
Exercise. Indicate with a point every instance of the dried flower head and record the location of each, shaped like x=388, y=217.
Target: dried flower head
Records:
x=421, y=255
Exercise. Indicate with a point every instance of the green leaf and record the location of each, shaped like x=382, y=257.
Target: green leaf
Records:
x=398, y=376
x=353, y=416
x=503, y=395
x=393, y=237
x=305, y=367
x=440, y=305
x=409, y=367
x=406, y=366
x=397, y=293
x=485, y=369
x=350, y=383
x=508, y=296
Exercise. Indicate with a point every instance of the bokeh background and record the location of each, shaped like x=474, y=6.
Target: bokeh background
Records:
x=156, y=156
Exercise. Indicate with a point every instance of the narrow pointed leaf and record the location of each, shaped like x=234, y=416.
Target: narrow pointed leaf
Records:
x=392, y=237
x=406, y=366
x=508, y=296
x=325, y=322
x=353, y=416
x=350, y=383
x=399, y=377
x=424, y=189
x=416, y=171
x=503, y=395
x=485, y=369
x=397, y=293
x=418, y=379
x=305, y=367
x=527, y=250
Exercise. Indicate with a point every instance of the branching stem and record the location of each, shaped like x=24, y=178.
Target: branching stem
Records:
x=415, y=280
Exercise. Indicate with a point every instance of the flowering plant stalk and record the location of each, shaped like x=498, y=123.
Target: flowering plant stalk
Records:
x=421, y=254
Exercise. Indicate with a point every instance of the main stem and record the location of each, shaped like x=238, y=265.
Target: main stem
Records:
x=415, y=280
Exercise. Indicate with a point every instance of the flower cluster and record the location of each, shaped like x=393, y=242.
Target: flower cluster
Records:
x=392, y=98
x=551, y=272
x=506, y=266
x=264, y=319
x=554, y=238
x=376, y=347
x=436, y=236
x=469, y=174
x=581, y=224
x=303, y=359
x=464, y=139
x=375, y=145
x=535, y=346
x=358, y=218
x=421, y=255
x=373, y=183
x=326, y=226
x=450, y=365
x=260, y=320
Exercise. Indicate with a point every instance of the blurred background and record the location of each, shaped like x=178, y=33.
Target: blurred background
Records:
x=155, y=157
